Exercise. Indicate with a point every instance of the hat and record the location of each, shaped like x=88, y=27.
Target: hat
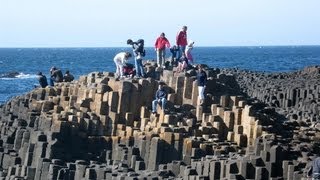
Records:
x=129, y=41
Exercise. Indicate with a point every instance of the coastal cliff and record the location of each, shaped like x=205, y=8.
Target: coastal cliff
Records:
x=253, y=125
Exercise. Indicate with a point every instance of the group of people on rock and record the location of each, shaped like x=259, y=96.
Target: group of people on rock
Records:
x=181, y=55
x=55, y=76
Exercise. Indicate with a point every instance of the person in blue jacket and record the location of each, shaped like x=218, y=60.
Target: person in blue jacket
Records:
x=160, y=98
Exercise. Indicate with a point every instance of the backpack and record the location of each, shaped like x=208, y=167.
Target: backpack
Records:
x=141, y=49
x=143, y=53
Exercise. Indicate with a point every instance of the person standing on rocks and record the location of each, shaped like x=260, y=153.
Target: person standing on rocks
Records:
x=120, y=60
x=160, y=46
x=160, y=98
x=42, y=80
x=139, y=52
x=56, y=75
x=181, y=41
x=188, y=52
x=174, y=49
x=202, y=82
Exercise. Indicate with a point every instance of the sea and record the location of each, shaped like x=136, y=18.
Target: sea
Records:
x=19, y=66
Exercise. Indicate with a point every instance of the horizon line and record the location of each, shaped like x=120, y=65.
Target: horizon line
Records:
x=44, y=47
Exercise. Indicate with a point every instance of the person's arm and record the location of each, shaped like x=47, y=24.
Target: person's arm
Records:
x=163, y=94
x=135, y=47
x=178, y=37
x=156, y=44
x=157, y=95
x=205, y=78
x=167, y=43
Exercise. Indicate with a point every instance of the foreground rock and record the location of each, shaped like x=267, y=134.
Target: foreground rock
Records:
x=101, y=128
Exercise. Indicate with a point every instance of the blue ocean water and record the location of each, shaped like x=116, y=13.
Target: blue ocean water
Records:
x=28, y=61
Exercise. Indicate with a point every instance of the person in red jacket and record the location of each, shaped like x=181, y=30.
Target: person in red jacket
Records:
x=181, y=41
x=160, y=46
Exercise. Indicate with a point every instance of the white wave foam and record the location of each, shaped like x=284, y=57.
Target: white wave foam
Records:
x=25, y=76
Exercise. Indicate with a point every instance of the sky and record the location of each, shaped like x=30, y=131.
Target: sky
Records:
x=109, y=23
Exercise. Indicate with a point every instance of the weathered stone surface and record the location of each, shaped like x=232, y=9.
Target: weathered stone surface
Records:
x=251, y=126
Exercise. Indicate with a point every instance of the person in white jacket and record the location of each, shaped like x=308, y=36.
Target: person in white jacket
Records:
x=120, y=60
x=188, y=52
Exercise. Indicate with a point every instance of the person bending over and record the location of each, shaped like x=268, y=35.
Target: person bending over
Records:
x=160, y=98
x=120, y=59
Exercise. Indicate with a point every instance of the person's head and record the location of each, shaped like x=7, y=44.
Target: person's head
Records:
x=53, y=68
x=184, y=28
x=129, y=41
x=39, y=73
x=128, y=55
x=191, y=43
x=161, y=84
x=67, y=72
x=162, y=34
x=174, y=47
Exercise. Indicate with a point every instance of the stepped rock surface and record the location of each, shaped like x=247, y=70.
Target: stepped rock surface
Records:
x=253, y=125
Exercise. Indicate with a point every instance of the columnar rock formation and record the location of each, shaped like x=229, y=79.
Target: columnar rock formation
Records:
x=100, y=127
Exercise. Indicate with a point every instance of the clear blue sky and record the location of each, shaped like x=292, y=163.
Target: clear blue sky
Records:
x=109, y=23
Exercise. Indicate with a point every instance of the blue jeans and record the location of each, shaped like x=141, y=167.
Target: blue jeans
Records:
x=181, y=50
x=139, y=67
x=52, y=80
x=156, y=101
x=161, y=53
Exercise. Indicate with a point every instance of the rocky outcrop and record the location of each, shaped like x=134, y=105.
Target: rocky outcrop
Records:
x=100, y=127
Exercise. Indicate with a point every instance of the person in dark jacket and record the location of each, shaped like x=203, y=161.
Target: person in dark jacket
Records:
x=139, y=53
x=161, y=97
x=68, y=77
x=202, y=82
x=56, y=75
x=42, y=80
x=174, y=49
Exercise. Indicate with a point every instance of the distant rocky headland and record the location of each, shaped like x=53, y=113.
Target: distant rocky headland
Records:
x=252, y=125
